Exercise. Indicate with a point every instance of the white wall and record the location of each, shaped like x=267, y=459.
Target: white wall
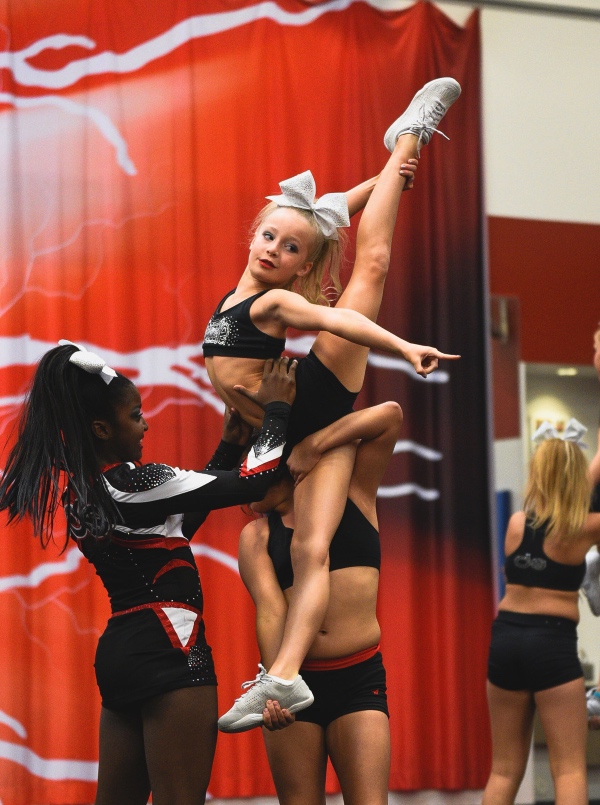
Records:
x=541, y=117
x=541, y=110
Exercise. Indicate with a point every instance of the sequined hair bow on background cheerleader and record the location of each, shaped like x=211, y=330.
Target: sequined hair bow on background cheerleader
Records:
x=330, y=211
x=89, y=361
x=572, y=433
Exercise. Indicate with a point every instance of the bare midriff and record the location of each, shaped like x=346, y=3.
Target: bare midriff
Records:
x=540, y=601
x=350, y=624
x=225, y=373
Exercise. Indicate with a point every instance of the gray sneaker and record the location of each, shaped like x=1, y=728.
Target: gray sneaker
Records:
x=247, y=712
x=590, y=586
x=424, y=112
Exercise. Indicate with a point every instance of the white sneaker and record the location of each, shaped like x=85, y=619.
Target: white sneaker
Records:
x=247, y=712
x=593, y=702
x=590, y=586
x=424, y=112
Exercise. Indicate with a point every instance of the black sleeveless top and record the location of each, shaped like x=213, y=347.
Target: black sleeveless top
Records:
x=530, y=567
x=354, y=544
x=595, y=507
x=233, y=334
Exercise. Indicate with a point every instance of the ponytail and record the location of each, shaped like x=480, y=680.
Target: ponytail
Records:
x=558, y=488
x=55, y=453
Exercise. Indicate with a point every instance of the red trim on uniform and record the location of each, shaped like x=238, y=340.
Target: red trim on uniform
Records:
x=108, y=467
x=269, y=465
x=169, y=543
x=158, y=608
x=340, y=662
x=171, y=566
x=156, y=605
x=172, y=634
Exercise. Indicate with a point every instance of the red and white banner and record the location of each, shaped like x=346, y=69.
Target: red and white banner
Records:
x=137, y=142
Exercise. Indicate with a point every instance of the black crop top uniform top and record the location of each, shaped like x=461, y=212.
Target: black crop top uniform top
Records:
x=233, y=334
x=354, y=544
x=530, y=567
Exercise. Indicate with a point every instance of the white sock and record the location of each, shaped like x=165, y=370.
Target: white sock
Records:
x=282, y=681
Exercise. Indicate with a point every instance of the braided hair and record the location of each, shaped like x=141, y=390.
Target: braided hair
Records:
x=55, y=451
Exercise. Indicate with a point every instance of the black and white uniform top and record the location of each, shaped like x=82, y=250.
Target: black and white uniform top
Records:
x=155, y=640
x=147, y=558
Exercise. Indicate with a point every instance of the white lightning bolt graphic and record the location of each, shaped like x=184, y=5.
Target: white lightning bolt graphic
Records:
x=102, y=122
x=108, y=62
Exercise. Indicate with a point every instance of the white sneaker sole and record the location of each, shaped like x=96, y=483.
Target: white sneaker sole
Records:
x=253, y=720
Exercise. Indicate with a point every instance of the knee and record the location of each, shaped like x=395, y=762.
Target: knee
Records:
x=394, y=415
x=310, y=554
x=571, y=769
x=511, y=771
x=501, y=788
x=377, y=262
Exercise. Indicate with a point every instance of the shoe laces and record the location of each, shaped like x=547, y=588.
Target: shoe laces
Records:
x=258, y=679
x=430, y=115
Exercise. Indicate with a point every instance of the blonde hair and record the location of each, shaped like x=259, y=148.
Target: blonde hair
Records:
x=558, y=489
x=321, y=285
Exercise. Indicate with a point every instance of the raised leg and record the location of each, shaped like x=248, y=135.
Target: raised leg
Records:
x=364, y=290
x=511, y=716
x=180, y=734
x=298, y=762
x=564, y=719
x=359, y=748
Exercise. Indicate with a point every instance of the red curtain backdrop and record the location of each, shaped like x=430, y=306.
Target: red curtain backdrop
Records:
x=137, y=143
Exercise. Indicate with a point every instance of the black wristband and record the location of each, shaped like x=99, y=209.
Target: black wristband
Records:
x=278, y=408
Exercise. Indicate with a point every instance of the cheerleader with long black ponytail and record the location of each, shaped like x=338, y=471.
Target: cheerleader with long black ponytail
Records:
x=79, y=444
x=56, y=443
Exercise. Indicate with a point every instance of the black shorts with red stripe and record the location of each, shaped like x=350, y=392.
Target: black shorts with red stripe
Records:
x=347, y=685
x=150, y=650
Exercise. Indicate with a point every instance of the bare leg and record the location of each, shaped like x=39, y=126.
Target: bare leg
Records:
x=319, y=503
x=122, y=773
x=180, y=734
x=511, y=716
x=298, y=762
x=364, y=291
x=320, y=499
x=564, y=717
x=359, y=747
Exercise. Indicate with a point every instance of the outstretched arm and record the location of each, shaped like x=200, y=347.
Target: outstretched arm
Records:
x=291, y=310
x=358, y=196
x=258, y=574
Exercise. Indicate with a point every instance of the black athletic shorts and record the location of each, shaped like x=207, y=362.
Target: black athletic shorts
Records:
x=320, y=400
x=340, y=691
x=143, y=654
x=532, y=652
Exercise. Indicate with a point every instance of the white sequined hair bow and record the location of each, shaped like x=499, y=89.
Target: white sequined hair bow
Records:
x=89, y=361
x=330, y=211
x=572, y=433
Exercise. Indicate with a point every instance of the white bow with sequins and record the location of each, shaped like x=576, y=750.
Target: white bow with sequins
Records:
x=330, y=211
